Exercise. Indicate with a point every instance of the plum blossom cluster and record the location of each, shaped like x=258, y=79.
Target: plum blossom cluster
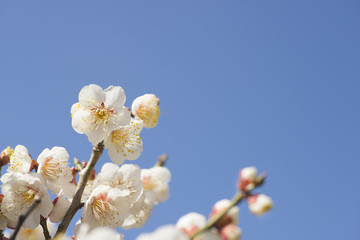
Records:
x=39, y=197
x=223, y=220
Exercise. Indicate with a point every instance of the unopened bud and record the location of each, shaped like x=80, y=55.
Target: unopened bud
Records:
x=93, y=174
x=259, y=204
x=231, y=232
x=230, y=217
x=247, y=178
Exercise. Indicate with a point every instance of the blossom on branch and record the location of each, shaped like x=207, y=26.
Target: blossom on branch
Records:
x=20, y=191
x=156, y=180
x=146, y=108
x=230, y=217
x=125, y=142
x=99, y=112
x=20, y=160
x=106, y=207
x=54, y=168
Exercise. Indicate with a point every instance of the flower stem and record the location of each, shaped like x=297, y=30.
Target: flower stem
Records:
x=45, y=228
x=236, y=199
x=83, y=178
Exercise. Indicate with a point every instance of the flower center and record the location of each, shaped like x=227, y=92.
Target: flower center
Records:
x=101, y=114
x=120, y=136
x=149, y=113
x=103, y=210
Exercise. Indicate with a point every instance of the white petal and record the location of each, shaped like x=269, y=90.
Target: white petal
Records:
x=90, y=95
x=114, y=97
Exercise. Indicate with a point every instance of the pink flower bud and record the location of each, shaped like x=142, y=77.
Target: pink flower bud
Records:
x=231, y=232
x=247, y=178
x=4, y=157
x=259, y=204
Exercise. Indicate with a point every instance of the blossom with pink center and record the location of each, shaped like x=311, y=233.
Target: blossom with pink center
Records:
x=20, y=191
x=230, y=217
x=167, y=232
x=106, y=207
x=156, y=180
x=54, y=168
x=259, y=204
x=146, y=108
x=99, y=112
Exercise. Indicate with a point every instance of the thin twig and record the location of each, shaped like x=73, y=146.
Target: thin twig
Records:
x=23, y=217
x=236, y=199
x=83, y=178
x=45, y=228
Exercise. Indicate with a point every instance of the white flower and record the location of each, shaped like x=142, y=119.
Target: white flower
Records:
x=20, y=191
x=156, y=180
x=231, y=232
x=61, y=205
x=140, y=211
x=106, y=207
x=191, y=222
x=259, y=204
x=230, y=217
x=20, y=160
x=125, y=142
x=247, y=178
x=168, y=232
x=146, y=108
x=125, y=178
x=54, y=168
x=85, y=233
x=99, y=112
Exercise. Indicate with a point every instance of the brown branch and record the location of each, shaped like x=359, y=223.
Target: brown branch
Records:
x=83, y=178
x=23, y=217
x=45, y=228
x=236, y=199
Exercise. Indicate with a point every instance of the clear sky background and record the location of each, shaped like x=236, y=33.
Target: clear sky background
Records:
x=274, y=84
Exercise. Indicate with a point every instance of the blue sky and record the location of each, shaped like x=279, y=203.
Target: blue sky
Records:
x=273, y=84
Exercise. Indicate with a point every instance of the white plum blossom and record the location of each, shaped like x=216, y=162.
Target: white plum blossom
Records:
x=230, y=217
x=61, y=205
x=20, y=160
x=168, y=232
x=54, y=168
x=99, y=112
x=20, y=191
x=140, y=211
x=156, y=180
x=106, y=207
x=126, y=178
x=125, y=142
x=259, y=204
x=231, y=232
x=146, y=108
